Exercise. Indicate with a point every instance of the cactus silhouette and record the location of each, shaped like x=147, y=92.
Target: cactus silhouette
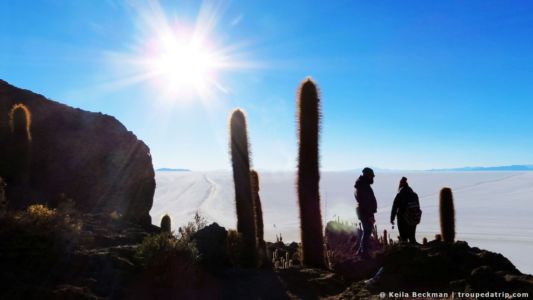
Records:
x=447, y=215
x=165, y=224
x=424, y=241
x=20, y=121
x=257, y=206
x=240, y=159
x=19, y=156
x=308, y=109
x=261, y=245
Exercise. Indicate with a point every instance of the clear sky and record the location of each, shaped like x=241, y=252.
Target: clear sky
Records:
x=404, y=85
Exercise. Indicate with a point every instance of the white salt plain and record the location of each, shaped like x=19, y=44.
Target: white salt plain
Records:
x=493, y=209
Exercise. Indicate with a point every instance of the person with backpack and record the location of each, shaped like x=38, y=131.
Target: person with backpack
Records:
x=406, y=207
x=366, y=208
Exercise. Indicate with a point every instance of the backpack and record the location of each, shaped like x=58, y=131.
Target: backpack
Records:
x=413, y=213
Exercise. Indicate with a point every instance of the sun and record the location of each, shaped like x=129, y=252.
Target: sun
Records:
x=181, y=61
x=180, y=64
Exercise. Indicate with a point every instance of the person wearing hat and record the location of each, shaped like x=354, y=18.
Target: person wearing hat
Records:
x=407, y=208
x=366, y=208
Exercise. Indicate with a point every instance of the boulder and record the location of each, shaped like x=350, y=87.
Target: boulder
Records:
x=212, y=246
x=69, y=153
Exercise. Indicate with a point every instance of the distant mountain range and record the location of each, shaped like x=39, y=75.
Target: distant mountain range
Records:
x=381, y=170
x=172, y=170
x=498, y=168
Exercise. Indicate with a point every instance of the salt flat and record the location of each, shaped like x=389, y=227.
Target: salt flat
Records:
x=493, y=209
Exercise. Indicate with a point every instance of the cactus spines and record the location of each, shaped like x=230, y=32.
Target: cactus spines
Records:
x=165, y=224
x=447, y=215
x=240, y=158
x=308, y=108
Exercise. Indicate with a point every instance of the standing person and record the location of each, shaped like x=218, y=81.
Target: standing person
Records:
x=366, y=208
x=407, y=207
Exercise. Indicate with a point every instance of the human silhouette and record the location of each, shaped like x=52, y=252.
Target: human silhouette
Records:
x=407, y=208
x=366, y=208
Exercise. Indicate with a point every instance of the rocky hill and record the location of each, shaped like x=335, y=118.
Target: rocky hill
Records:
x=50, y=152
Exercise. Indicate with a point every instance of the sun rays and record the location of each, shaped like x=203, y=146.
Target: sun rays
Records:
x=180, y=61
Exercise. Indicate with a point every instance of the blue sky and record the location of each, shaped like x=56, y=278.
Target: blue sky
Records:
x=415, y=85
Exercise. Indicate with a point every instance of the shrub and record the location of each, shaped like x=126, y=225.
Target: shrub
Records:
x=37, y=239
x=186, y=232
x=40, y=212
x=159, y=248
x=39, y=219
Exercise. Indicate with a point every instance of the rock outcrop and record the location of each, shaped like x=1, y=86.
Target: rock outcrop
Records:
x=88, y=157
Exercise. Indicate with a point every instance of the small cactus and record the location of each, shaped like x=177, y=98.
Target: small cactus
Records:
x=385, y=237
x=438, y=237
x=166, y=224
x=447, y=215
x=240, y=158
x=424, y=241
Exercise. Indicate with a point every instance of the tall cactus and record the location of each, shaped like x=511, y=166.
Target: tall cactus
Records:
x=447, y=215
x=259, y=232
x=20, y=121
x=166, y=224
x=257, y=206
x=240, y=158
x=19, y=156
x=308, y=108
